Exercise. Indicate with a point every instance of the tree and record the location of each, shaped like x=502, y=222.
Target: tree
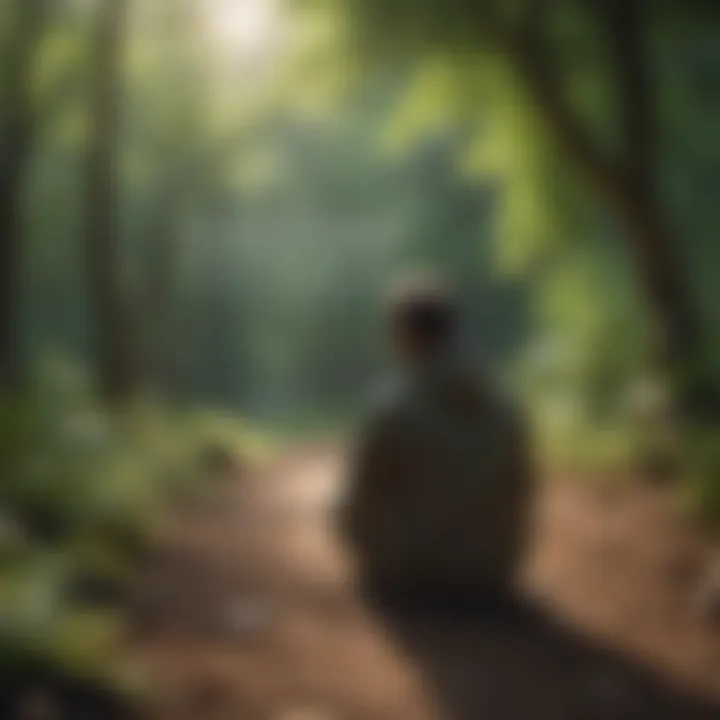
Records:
x=115, y=333
x=16, y=142
x=619, y=161
x=627, y=183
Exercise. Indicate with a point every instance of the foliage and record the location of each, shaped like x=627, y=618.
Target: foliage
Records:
x=572, y=112
x=81, y=497
x=703, y=489
x=271, y=188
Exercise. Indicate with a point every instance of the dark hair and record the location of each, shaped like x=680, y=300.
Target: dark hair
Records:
x=426, y=312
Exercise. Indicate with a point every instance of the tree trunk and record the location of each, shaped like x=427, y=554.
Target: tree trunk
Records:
x=627, y=184
x=160, y=289
x=16, y=141
x=115, y=332
x=677, y=333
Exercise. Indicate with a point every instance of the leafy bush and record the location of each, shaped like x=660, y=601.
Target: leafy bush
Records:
x=81, y=493
x=703, y=486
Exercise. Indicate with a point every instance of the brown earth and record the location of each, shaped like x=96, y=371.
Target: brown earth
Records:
x=249, y=613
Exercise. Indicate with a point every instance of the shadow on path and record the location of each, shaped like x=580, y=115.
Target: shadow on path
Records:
x=522, y=665
x=251, y=613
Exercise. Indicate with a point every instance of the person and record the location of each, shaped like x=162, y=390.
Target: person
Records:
x=437, y=505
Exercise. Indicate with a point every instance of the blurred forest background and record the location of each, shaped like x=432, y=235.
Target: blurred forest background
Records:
x=203, y=201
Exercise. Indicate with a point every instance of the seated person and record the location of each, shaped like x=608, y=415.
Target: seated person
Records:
x=437, y=505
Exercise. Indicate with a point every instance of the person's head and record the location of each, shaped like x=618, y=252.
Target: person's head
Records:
x=423, y=319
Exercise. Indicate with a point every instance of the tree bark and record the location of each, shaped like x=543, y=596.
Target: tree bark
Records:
x=677, y=332
x=160, y=287
x=115, y=332
x=16, y=141
x=627, y=184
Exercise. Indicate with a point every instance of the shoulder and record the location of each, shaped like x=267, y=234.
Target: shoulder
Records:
x=386, y=406
x=388, y=397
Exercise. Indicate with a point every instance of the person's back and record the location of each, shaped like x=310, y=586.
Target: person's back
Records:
x=441, y=484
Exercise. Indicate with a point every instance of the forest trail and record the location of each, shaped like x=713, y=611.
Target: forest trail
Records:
x=248, y=613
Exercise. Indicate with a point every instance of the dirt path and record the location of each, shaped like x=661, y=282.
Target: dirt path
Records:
x=249, y=613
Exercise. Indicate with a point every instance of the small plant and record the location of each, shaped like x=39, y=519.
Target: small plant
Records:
x=702, y=451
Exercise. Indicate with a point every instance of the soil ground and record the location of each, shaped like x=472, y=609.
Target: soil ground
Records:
x=249, y=612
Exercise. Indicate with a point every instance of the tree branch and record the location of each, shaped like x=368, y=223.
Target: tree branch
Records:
x=534, y=18
x=600, y=168
x=524, y=45
x=622, y=21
